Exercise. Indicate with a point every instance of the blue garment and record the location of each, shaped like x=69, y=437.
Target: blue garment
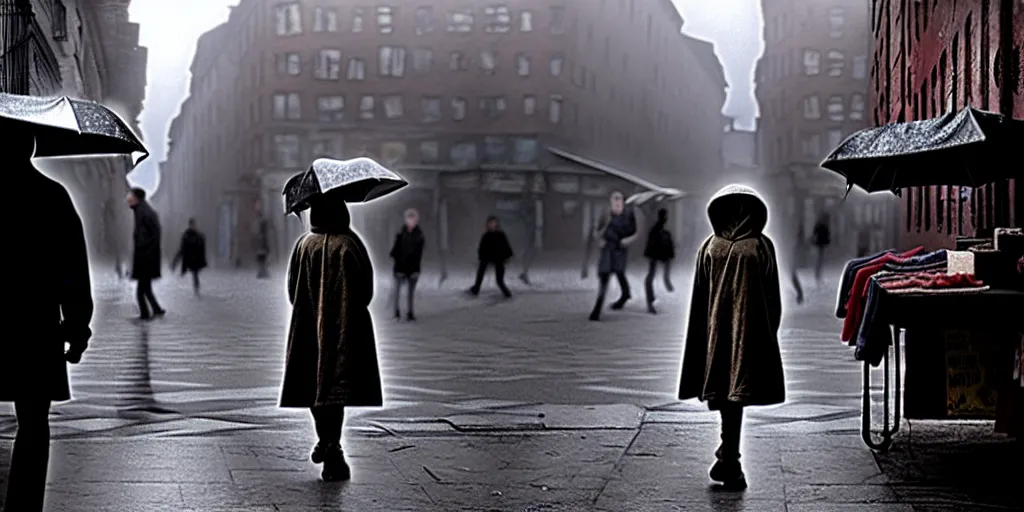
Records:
x=846, y=282
x=613, y=254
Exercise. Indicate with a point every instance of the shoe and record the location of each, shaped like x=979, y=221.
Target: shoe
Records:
x=525, y=279
x=474, y=291
x=335, y=467
x=595, y=316
x=143, y=318
x=317, y=455
x=730, y=474
x=398, y=315
x=410, y=317
x=162, y=312
x=619, y=304
x=651, y=310
x=507, y=294
x=669, y=287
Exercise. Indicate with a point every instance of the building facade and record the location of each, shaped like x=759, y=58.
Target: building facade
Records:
x=533, y=110
x=937, y=57
x=812, y=88
x=83, y=49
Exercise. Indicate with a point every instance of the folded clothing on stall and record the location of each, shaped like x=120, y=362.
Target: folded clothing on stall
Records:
x=850, y=271
x=935, y=282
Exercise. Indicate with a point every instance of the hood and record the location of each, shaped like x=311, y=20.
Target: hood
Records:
x=330, y=216
x=737, y=212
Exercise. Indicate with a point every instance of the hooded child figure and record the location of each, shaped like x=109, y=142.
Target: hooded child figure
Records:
x=732, y=358
x=331, y=358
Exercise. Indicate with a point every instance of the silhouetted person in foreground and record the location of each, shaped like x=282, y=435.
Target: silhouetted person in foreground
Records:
x=614, y=235
x=146, y=256
x=331, y=359
x=660, y=249
x=732, y=358
x=50, y=298
x=407, y=252
x=191, y=253
x=494, y=249
x=821, y=237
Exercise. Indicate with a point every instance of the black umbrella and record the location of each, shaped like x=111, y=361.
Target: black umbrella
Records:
x=68, y=127
x=359, y=180
x=969, y=148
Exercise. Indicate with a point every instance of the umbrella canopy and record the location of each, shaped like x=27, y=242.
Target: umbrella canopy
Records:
x=358, y=180
x=69, y=127
x=968, y=148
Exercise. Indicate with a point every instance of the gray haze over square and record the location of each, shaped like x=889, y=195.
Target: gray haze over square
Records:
x=170, y=31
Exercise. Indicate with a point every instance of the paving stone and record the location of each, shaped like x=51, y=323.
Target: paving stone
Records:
x=838, y=494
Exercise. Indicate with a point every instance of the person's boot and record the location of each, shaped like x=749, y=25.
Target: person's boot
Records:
x=728, y=472
x=595, y=314
x=669, y=287
x=335, y=467
x=650, y=308
x=317, y=455
x=410, y=317
x=398, y=315
x=621, y=303
x=474, y=291
x=524, y=278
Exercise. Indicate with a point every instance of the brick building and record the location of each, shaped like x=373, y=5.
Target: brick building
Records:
x=955, y=54
x=812, y=87
x=83, y=49
x=533, y=110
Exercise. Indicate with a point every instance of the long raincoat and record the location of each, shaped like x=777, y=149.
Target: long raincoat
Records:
x=732, y=345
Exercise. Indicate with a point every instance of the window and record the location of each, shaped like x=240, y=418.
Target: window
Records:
x=836, y=21
x=367, y=106
x=424, y=20
x=463, y=154
x=458, y=109
x=810, y=145
x=385, y=19
x=835, y=138
x=286, y=150
x=393, y=107
x=287, y=106
x=393, y=152
x=458, y=62
x=857, y=106
x=325, y=19
x=492, y=107
x=330, y=108
x=529, y=105
x=392, y=61
x=358, y=17
x=460, y=21
x=835, y=109
x=555, y=109
x=525, y=151
x=328, y=65
x=431, y=108
x=495, y=150
x=289, y=19
x=526, y=21
x=860, y=67
x=812, y=107
x=430, y=152
x=556, y=65
x=836, y=63
x=557, y=25
x=488, y=61
x=499, y=21
x=327, y=148
x=422, y=60
x=523, y=65
x=356, y=70
x=289, y=64
x=812, y=62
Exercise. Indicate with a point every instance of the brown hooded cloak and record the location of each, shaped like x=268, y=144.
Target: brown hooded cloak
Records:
x=732, y=346
x=332, y=356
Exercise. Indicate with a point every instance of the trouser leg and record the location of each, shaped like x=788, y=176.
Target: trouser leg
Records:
x=26, y=483
x=328, y=421
x=732, y=426
x=649, y=281
x=396, y=293
x=820, y=267
x=152, y=298
x=499, y=276
x=602, y=290
x=668, y=276
x=141, y=296
x=481, y=268
x=195, y=280
x=623, y=287
x=797, y=286
x=413, y=279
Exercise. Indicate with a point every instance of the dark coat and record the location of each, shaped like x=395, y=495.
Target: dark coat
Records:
x=407, y=250
x=660, y=246
x=822, y=235
x=732, y=346
x=332, y=355
x=261, y=236
x=494, y=247
x=617, y=232
x=146, y=256
x=191, y=252
x=47, y=283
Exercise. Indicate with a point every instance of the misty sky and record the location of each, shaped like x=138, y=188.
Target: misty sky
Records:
x=170, y=31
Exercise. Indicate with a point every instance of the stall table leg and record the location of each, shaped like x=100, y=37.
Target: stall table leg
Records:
x=888, y=431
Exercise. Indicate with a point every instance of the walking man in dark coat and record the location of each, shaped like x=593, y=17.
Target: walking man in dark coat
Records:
x=732, y=357
x=494, y=249
x=407, y=252
x=191, y=253
x=821, y=237
x=660, y=249
x=146, y=257
x=262, y=241
x=614, y=235
x=51, y=298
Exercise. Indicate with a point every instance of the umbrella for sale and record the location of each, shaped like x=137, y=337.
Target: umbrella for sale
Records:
x=69, y=127
x=969, y=148
x=359, y=180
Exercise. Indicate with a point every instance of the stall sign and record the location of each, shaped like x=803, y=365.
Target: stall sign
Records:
x=969, y=391
x=565, y=184
x=508, y=182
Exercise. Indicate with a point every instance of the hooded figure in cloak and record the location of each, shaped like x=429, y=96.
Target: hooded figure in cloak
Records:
x=732, y=357
x=331, y=359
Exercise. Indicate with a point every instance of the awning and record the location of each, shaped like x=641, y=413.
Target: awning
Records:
x=666, y=192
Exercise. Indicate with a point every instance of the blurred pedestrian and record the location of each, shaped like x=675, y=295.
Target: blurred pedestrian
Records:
x=864, y=240
x=798, y=261
x=262, y=242
x=494, y=249
x=660, y=249
x=47, y=282
x=732, y=357
x=821, y=237
x=407, y=252
x=146, y=256
x=614, y=235
x=331, y=359
x=191, y=254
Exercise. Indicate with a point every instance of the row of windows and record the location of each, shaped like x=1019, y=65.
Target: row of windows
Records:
x=780, y=25
x=333, y=108
x=495, y=19
x=287, y=151
x=392, y=63
x=834, y=65
x=836, y=107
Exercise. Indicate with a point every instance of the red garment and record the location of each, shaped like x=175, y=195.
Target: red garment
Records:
x=855, y=304
x=915, y=280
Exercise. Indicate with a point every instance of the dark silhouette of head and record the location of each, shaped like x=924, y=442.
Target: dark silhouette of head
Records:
x=135, y=197
x=19, y=140
x=412, y=218
x=663, y=215
x=191, y=223
x=618, y=202
x=492, y=223
x=329, y=215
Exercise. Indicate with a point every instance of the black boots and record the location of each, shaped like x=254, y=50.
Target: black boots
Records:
x=333, y=459
x=728, y=472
